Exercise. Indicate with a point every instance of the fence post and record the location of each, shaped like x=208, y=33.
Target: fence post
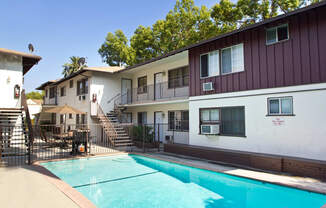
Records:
x=143, y=137
x=0, y=145
x=158, y=137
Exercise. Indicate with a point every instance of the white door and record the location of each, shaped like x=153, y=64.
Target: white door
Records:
x=158, y=85
x=125, y=91
x=158, y=126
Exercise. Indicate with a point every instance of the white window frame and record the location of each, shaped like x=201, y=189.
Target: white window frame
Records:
x=278, y=41
x=232, y=70
x=218, y=64
x=279, y=106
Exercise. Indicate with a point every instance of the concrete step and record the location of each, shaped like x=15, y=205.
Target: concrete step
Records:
x=123, y=144
x=122, y=140
x=123, y=137
x=122, y=134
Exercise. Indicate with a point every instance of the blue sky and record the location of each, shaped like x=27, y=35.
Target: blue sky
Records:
x=59, y=29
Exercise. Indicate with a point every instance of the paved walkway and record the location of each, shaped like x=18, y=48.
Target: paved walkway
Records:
x=271, y=177
x=24, y=187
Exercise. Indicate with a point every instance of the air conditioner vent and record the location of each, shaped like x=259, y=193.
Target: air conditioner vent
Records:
x=210, y=129
x=208, y=86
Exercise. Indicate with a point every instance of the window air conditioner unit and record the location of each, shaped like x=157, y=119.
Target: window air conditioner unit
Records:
x=208, y=86
x=210, y=129
x=84, y=97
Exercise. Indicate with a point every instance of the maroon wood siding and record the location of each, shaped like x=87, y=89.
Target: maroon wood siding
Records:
x=299, y=60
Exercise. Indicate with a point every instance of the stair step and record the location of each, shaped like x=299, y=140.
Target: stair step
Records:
x=123, y=140
x=123, y=144
x=123, y=137
x=122, y=134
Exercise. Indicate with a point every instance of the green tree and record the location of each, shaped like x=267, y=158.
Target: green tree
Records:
x=115, y=50
x=35, y=95
x=143, y=44
x=226, y=15
x=72, y=66
x=186, y=24
x=182, y=26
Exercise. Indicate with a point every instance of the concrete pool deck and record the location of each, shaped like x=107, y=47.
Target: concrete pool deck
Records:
x=34, y=186
x=26, y=187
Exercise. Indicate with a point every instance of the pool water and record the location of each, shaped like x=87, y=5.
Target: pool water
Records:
x=137, y=181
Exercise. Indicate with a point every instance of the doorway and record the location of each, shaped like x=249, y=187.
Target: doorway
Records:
x=158, y=85
x=126, y=91
x=158, y=123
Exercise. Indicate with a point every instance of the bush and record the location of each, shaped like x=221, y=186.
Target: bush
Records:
x=138, y=133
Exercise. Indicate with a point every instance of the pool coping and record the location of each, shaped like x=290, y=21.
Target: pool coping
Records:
x=74, y=195
x=233, y=174
x=84, y=202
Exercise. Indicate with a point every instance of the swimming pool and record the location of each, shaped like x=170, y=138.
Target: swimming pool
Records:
x=137, y=181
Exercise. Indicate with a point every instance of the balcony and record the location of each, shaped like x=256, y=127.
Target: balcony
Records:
x=50, y=101
x=172, y=90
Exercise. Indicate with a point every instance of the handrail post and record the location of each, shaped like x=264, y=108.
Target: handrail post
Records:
x=29, y=125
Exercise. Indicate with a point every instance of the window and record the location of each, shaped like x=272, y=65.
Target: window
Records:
x=209, y=64
x=46, y=93
x=77, y=119
x=142, y=85
x=126, y=118
x=53, y=118
x=52, y=92
x=142, y=118
x=63, y=91
x=280, y=106
x=71, y=83
x=178, y=120
x=232, y=59
x=62, y=118
x=178, y=77
x=70, y=115
x=83, y=119
x=210, y=116
x=82, y=87
x=230, y=119
x=277, y=34
x=233, y=121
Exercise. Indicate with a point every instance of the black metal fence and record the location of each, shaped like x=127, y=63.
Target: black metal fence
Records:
x=14, y=145
x=151, y=137
x=65, y=141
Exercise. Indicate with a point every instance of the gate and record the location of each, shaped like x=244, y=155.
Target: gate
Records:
x=14, y=145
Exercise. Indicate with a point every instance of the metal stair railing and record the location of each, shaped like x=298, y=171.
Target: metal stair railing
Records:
x=107, y=125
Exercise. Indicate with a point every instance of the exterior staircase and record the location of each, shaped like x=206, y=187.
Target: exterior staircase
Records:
x=113, y=129
x=13, y=136
x=122, y=139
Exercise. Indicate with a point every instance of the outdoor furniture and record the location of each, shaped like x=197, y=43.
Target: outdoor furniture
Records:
x=81, y=136
x=64, y=138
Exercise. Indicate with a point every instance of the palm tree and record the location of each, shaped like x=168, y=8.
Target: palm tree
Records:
x=74, y=65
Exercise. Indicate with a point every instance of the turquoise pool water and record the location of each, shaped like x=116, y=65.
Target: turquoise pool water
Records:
x=136, y=181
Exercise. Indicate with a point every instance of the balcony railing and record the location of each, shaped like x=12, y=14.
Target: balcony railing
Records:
x=50, y=101
x=164, y=91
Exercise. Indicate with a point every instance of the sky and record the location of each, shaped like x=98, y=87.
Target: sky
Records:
x=59, y=29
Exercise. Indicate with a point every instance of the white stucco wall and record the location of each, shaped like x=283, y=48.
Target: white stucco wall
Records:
x=105, y=86
x=164, y=65
x=33, y=108
x=302, y=135
x=10, y=75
